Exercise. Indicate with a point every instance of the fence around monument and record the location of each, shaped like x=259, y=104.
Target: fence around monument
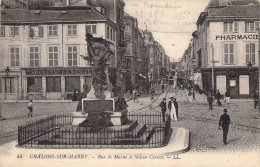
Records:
x=57, y=132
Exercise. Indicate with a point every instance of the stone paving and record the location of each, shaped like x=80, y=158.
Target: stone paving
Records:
x=243, y=135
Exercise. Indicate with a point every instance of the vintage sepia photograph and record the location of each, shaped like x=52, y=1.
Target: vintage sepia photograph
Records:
x=129, y=83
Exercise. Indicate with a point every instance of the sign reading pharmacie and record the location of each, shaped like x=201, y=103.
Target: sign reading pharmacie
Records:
x=237, y=37
x=58, y=71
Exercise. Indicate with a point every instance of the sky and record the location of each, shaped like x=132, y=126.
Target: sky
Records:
x=171, y=21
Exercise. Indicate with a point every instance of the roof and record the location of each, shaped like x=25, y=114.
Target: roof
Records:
x=47, y=16
x=252, y=11
x=218, y=3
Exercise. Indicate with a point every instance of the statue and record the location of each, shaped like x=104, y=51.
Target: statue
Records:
x=99, y=55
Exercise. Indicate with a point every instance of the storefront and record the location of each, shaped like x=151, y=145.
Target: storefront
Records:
x=240, y=82
x=44, y=83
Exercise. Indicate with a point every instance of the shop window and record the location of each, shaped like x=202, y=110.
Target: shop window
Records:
x=92, y=28
x=15, y=54
x=34, y=84
x=72, y=83
x=229, y=53
x=53, y=56
x=34, y=57
x=72, y=55
x=9, y=85
x=250, y=52
x=72, y=30
x=53, y=84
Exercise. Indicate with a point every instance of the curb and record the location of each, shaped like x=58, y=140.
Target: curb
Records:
x=175, y=146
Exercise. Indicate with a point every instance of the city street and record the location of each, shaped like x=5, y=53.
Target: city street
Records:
x=203, y=124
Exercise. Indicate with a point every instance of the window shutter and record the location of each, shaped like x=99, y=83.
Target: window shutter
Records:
x=247, y=52
x=236, y=27
x=31, y=32
x=40, y=29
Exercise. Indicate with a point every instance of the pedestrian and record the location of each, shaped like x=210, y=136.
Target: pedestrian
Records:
x=134, y=95
x=218, y=98
x=227, y=96
x=224, y=122
x=30, y=108
x=163, y=108
x=74, y=96
x=162, y=87
x=173, y=108
x=256, y=99
x=152, y=94
x=210, y=101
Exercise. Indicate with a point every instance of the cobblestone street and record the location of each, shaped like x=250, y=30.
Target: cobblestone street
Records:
x=244, y=131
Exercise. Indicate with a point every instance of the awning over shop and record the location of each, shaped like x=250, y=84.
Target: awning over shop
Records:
x=198, y=79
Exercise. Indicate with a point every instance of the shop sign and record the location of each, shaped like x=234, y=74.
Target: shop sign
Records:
x=236, y=37
x=85, y=71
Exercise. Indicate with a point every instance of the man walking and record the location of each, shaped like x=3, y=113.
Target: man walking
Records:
x=224, y=122
x=163, y=108
x=218, y=98
x=162, y=87
x=256, y=99
x=210, y=101
x=30, y=108
x=173, y=107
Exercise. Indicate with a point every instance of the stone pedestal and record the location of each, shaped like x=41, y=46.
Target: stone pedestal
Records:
x=119, y=117
x=78, y=118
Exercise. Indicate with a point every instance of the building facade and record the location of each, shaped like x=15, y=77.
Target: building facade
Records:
x=41, y=51
x=228, y=52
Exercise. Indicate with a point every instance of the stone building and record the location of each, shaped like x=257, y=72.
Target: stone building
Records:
x=41, y=51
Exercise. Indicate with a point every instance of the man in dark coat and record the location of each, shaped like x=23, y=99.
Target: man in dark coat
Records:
x=163, y=108
x=173, y=100
x=256, y=99
x=218, y=98
x=210, y=101
x=224, y=122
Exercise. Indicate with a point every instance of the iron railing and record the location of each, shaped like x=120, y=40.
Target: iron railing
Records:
x=144, y=130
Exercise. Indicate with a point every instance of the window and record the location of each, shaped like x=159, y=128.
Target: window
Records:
x=231, y=27
x=9, y=85
x=53, y=56
x=15, y=55
x=250, y=52
x=14, y=31
x=229, y=53
x=92, y=29
x=72, y=55
x=0, y=85
x=52, y=30
x=35, y=31
x=53, y=84
x=2, y=31
x=72, y=30
x=34, y=56
x=250, y=26
x=34, y=84
x=72, y=83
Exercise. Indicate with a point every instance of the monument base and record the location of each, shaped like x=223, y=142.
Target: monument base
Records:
x=119, y=117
